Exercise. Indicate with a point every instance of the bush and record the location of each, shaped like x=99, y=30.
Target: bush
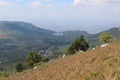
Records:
x=19, y=67
x=105, y=37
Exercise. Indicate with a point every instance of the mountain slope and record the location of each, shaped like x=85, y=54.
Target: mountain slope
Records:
x=99, y=64
x=17, y=38
x=23, y=30
x=115, y=32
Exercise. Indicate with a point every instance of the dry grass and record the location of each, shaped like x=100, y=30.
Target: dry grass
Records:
x=98, y=64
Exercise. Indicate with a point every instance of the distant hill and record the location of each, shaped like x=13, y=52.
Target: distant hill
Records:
x=93, y=38
x=17, y=38
x=103, y=63
x=23, y=30
x=115, y=32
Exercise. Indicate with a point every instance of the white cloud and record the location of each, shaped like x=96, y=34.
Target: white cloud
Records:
x=94, y=2
x=5, y=3
x=80, y=2
x=35, y=4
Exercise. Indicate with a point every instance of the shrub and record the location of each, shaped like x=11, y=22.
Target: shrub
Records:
x=19, y=67
x=105, y=37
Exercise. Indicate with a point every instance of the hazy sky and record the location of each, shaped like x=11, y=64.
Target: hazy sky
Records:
x=89, y=15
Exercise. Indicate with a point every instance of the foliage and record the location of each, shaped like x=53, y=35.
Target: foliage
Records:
x=31, y=59
x=4, y=74
x=105, y=37
x=78, y=44
x=44, y=59
x=19, y=67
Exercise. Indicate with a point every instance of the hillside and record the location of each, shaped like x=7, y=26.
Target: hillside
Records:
x=17, y=38
x=99, y=64
x=15, y=30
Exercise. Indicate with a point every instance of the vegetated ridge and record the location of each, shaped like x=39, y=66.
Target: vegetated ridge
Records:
x=103, y=63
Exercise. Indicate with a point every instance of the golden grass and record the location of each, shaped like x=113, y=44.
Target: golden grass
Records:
x=98, y=64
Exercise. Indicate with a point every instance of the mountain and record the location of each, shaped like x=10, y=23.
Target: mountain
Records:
x=115, y=32
x=103, y=63
x=18, y=38
x=21, y=29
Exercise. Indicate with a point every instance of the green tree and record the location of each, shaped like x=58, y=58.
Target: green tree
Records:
x=44, y=59
x=31, y=58
x=19, y=67
x=78, y=44
x=105, y=37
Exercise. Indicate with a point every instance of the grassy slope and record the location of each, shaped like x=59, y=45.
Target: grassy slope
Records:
x=98, y=64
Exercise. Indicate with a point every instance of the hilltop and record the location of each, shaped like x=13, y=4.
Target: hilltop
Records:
x=103, y=63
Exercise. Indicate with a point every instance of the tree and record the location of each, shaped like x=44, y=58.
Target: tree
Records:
x=31, y=58
x=19, y=67
x=78, y=44
x=44, y=59
x=105, y=37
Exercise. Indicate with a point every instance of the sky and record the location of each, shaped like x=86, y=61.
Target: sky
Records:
x=60, y=15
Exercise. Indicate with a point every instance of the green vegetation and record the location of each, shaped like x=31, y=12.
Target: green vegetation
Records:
x=44, y=59
x=19, y=67
x=4, y=74
x=105, y=37
x=31, y=59
x=78, y=44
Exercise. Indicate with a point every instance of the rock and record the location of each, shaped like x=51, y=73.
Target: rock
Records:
x=104, y=45
x=35, y=67
x=64, y=56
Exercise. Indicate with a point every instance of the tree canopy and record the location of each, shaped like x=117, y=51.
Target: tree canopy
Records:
x=78, y=44
x=31, y=58
x=105, y=37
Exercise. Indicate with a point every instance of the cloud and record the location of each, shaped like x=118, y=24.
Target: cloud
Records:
x=95, y=2
x=80, y=2
x=5, y=3
x=35, y=4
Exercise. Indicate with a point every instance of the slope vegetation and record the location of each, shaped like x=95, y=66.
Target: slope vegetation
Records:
x=103, y=63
